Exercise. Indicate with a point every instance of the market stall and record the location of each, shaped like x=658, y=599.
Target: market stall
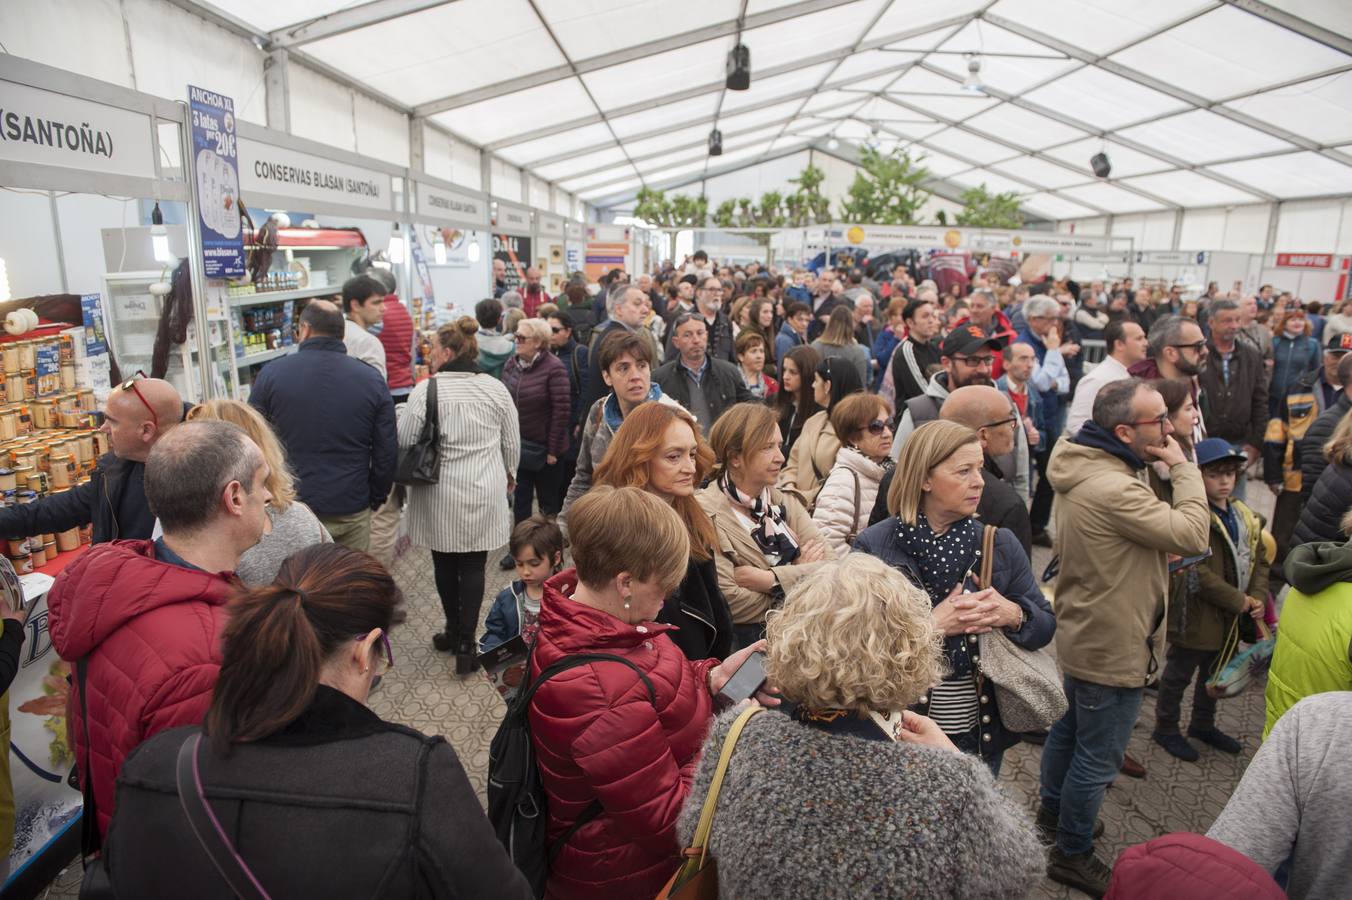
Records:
x=451, y=224
x=513, y=240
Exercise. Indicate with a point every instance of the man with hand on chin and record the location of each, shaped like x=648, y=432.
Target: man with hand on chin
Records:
x=1114, y=539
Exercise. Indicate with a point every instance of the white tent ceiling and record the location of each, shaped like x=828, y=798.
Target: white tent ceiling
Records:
x=1196, y=102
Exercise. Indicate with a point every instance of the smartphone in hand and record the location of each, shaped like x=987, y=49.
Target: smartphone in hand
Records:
x=746, y=680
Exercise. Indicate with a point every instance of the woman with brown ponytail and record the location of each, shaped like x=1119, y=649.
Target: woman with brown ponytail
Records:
x=317, y=796
x=465, y=514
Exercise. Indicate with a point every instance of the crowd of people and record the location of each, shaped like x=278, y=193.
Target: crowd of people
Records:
x=707, y=467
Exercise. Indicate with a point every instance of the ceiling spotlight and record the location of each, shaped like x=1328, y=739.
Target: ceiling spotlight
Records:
x=739, y=68
x=972, y=83
x=715, y=143
x=1099, y=163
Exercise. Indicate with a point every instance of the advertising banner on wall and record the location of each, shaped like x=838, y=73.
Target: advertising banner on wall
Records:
x=602, y=256
x=39, y=760
x=515, y=252
x=216, y=150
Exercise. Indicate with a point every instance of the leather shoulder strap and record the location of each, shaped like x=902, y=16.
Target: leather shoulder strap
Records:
x=207, y=828
x=706, y=816
x=987, y=555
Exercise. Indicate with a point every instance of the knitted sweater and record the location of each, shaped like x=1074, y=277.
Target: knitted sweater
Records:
x=882, y=819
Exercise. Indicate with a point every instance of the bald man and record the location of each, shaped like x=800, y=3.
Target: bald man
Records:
x=533, y=295
x=136, y=414
x=990, y=414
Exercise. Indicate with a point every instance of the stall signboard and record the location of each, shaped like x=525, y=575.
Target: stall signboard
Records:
x=872, y=237
x=281, y=172
x=51, y=129
x=1172, y=257
x=603, y=256
x=574, y=231
x=515, y=252
x=1304, y=260
x=46, y=802
x=512, y=219
x=451, y=206
x=216, y=150
x=551, y=227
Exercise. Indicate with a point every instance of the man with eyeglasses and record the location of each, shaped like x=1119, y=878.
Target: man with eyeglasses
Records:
x=987, y=412
x=1177, y=350
x=702, y=384
x=1114, y=538
x=967, y=355
x=709, y=306
x=136, y=415
x=1051, y=380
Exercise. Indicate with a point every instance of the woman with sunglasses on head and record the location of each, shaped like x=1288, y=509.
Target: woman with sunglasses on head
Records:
x=288, y=723
x=294, y=526
x=814, y=453
x=851, y=489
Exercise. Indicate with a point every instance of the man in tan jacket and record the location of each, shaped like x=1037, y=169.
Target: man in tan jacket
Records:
x=1114, y=539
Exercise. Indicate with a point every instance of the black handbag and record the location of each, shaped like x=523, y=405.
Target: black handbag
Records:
x=418, y=464
x=533, y=456
x=97, y=885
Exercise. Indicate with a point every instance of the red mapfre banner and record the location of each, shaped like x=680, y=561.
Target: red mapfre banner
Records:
x=1304, y=260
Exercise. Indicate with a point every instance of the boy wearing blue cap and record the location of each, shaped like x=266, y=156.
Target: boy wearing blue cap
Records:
x=1205, y=599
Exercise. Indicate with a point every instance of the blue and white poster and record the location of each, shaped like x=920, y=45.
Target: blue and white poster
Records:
x=217, y=158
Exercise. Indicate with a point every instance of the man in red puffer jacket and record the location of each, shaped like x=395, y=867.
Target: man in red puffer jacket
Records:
x=147, y=616
x=598, y=735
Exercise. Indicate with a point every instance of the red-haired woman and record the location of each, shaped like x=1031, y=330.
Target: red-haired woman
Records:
x=288, y=722
x=660, y=450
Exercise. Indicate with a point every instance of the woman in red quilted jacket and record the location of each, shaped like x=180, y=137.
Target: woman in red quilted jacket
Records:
x=598, y=735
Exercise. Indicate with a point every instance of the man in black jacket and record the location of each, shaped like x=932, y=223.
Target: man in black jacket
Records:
x=136, y=415
x=334, y=416
x=709, y=305
x=702, y=384
x=1234, y=387
x=987, y=412
x=1312, y=461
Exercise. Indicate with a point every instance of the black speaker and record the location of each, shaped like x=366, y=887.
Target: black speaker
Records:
x=739, y=68
x=715, y=143
x=1099, y=163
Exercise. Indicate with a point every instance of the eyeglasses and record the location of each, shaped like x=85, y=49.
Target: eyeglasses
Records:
x=878, y=427
x=1198, y=346
x=556, y=329
x=388, y=662
x=130, y=385
x=1157, y=421
x=522, y=338
x=975, y=362
x=1012, y=420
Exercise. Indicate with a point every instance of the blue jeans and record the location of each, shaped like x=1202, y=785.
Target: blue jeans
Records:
x=1082, y=756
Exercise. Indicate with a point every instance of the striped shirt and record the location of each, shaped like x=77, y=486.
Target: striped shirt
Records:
x=954, y=706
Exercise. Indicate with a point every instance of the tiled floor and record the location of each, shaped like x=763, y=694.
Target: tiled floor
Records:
x=423, y=692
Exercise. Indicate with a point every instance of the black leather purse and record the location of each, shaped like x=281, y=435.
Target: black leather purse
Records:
x=418, y=464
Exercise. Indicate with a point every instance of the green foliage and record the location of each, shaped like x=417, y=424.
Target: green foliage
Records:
x=804, y=206
x=887, y=189
x=679, y=212
x=982, y=209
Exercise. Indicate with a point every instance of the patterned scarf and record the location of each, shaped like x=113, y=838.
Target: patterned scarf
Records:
x=943, y=559
x=769, y=532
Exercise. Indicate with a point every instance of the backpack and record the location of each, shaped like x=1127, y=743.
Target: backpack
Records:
x=516, y=801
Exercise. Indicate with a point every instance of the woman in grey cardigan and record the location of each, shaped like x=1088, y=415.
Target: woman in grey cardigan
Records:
x=853, y=795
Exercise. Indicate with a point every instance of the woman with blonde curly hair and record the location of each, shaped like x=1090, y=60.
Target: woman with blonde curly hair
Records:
x=853, y=777
x=294, y=526
x=660, y=450
x=934, y=538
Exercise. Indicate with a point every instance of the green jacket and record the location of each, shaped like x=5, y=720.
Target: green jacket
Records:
x=1205, y=600
x=1313, y=653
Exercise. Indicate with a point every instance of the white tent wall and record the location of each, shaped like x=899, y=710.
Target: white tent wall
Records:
x=451, y=159
x=505, y=181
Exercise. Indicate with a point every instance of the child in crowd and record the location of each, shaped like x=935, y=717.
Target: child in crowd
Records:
x=537, y=546
x=1232, y=581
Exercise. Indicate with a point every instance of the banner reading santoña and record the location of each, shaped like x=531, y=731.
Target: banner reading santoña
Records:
x=217, y=162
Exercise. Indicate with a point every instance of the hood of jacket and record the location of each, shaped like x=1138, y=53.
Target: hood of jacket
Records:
x=1310, y=568
x=1091, y=434
x=1146, y=368
x=938, y=387
x=855, y=461
x=112, y=584
x=1179, y=866
x=611, y=408
x=578, y=628
x=495, y=346
x=1073, y=463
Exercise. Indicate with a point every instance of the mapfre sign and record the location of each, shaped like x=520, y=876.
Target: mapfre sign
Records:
x=1304, y=260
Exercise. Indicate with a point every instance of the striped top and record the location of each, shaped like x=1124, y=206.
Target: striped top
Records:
x=467, y=509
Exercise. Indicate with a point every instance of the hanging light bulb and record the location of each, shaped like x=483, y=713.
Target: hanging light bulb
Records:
x=159, y=236
x=972, y=83
x=4, y=282
x=834, y=143
x=472, y=251
x=439, y=247
x=395, y=251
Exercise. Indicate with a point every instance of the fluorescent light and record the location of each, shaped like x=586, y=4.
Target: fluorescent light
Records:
x=395, y=251
x=472, y=251
x=439, y=248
